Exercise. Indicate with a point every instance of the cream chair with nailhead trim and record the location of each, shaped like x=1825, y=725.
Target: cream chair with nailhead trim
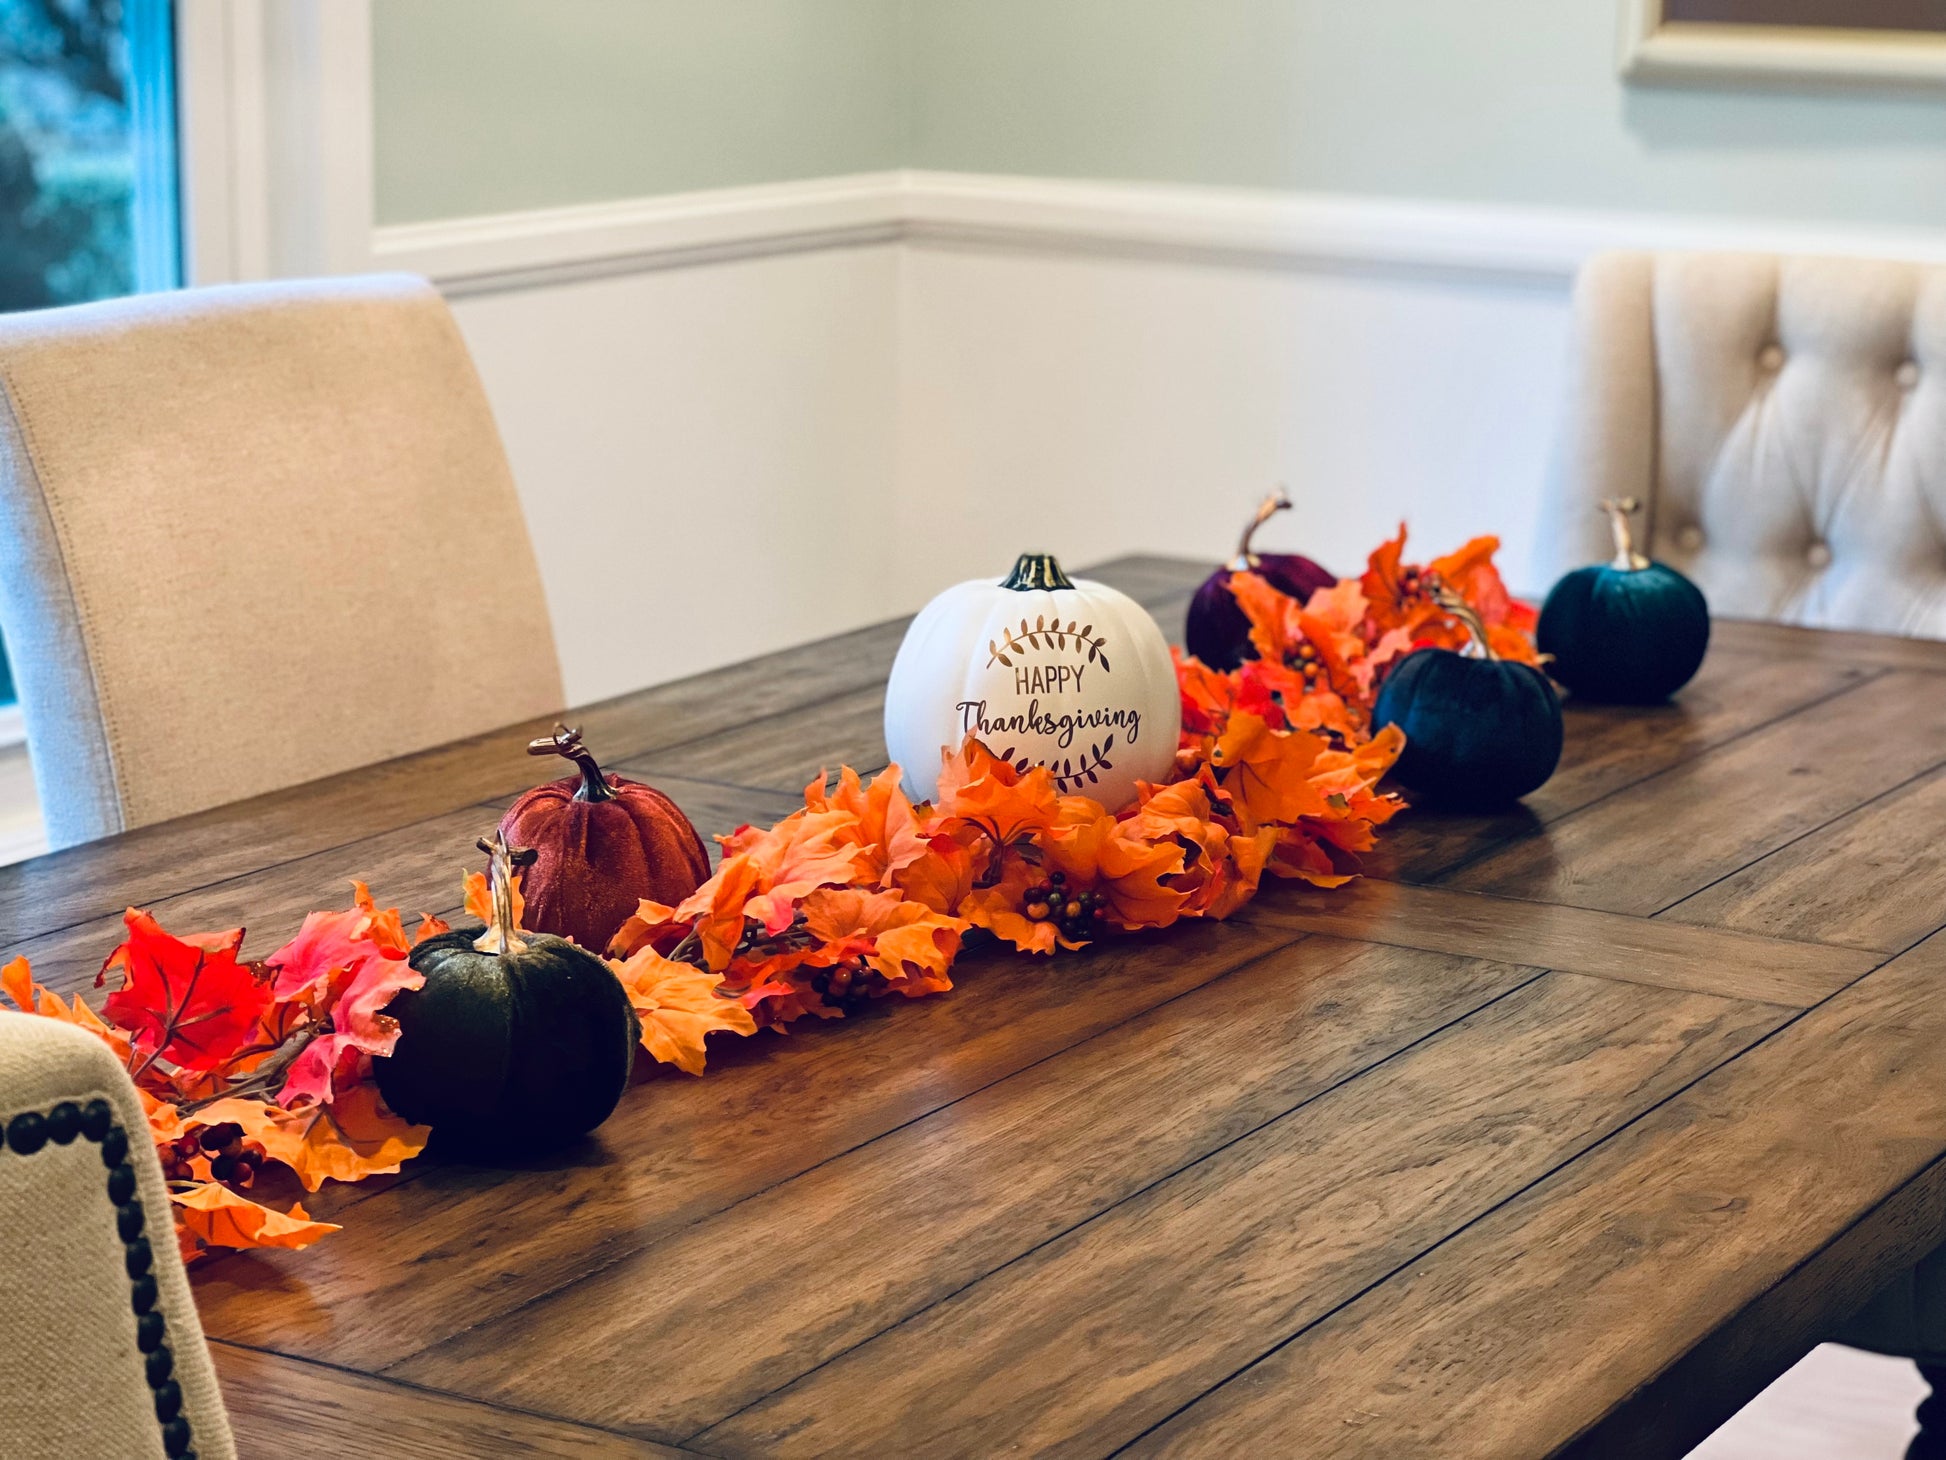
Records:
x=1784, y=420
x=100, y=1348
x=251, y=536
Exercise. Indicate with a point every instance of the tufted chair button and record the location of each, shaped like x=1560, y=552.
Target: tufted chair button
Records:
x=1772, y=358
x=1818, y=555
x=1907, y=375
x=1690, y=538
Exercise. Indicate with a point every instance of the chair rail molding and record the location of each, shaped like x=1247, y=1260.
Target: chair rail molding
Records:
x=274, y=110
x=1306, y=232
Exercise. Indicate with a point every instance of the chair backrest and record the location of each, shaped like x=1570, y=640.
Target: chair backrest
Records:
x=251, y=536
x=1785, y=421
x=72, y=1288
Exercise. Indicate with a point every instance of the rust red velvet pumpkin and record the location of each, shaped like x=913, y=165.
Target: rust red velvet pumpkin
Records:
x=602, y=844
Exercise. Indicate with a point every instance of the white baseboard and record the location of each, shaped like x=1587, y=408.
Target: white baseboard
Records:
x=1305, y=231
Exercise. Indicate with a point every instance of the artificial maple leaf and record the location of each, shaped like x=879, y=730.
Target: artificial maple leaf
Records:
x=886, y=830
x=678, y=1005
x=1206, y=696
x=1089, y=847
x=350, y=964
x=803, y=852
x=184, y=1000
x=430, y=927
x=353, y=1137
x=982, y=791
x=715, y=913
x=651, y=922
x=1266, y=773
x=211, y=1215
x=908, y=942
x=942, y=878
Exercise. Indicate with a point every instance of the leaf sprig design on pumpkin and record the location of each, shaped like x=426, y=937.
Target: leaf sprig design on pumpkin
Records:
x=1068, y=772
x=1042, y=634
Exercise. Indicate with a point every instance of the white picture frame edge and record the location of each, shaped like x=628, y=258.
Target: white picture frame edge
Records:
x=1654, y=52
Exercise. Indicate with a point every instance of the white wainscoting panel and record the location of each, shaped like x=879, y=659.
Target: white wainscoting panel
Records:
x=705, y=455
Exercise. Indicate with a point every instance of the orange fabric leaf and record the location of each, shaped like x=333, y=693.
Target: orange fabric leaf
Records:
x=212, y=1215
x=1266, y=773
x=678, y=1005
x=353, y=1137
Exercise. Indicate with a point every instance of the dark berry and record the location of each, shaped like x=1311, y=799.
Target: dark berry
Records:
x=223, y=1167
x=222, y=1136
x=64, y=1122
x=1058, y=879
x=27, y=1132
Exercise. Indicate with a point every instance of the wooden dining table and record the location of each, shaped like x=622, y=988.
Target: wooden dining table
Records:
x=1561, y=1131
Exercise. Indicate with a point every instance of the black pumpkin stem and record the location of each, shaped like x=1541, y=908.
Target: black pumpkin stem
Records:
x=567, y=742
x=1469, y=617
x=1277, y=501
x=1036, y=570
x=502, y=934
x=1619, y=510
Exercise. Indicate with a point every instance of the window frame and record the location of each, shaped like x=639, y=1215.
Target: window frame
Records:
x=274, y=128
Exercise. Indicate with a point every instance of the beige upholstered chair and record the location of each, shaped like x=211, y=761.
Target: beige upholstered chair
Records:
x=1785, y=421
x=99, y=1340
x=251, y=536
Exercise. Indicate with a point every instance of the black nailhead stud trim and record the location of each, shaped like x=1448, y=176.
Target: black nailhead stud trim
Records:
x=121, y=1185
x=142, y=1294
x=129, y=1220
x=159, y=1365
x=64, y=1122
x=175, y=1438
x=148, y=1338
x=114, y=1147
x=27, y=1132
x=168, y=1401
x=138, y=1257
x=96, y=1116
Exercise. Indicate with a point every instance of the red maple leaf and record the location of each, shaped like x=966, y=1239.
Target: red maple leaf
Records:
x=187, y=1001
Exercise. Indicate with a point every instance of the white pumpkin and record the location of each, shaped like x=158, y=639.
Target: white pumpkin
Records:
x=1071, y=675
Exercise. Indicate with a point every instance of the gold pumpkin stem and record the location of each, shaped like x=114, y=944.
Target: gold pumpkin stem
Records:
x=1619, y=510
x=1469, y=618
x=1277, y=501
x=501, y=935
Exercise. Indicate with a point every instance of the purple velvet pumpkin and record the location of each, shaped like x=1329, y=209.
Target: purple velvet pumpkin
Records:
x=1217, y=631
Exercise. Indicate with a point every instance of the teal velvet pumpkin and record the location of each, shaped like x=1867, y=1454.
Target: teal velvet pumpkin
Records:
x=1479, y=733
x=1628, y=632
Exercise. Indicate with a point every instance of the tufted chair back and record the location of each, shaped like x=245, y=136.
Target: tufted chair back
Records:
x=1785, y=421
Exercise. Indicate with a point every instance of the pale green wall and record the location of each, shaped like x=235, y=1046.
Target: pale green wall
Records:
x=494, y=105
x=487, y=106
x=1479, y=100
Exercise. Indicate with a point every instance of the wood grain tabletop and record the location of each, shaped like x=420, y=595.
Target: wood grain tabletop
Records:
x=1563, y=1132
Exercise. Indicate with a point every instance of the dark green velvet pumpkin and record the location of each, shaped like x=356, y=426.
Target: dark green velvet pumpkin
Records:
x=1480, y=732
x=1626, y=632
x=508, y=1052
